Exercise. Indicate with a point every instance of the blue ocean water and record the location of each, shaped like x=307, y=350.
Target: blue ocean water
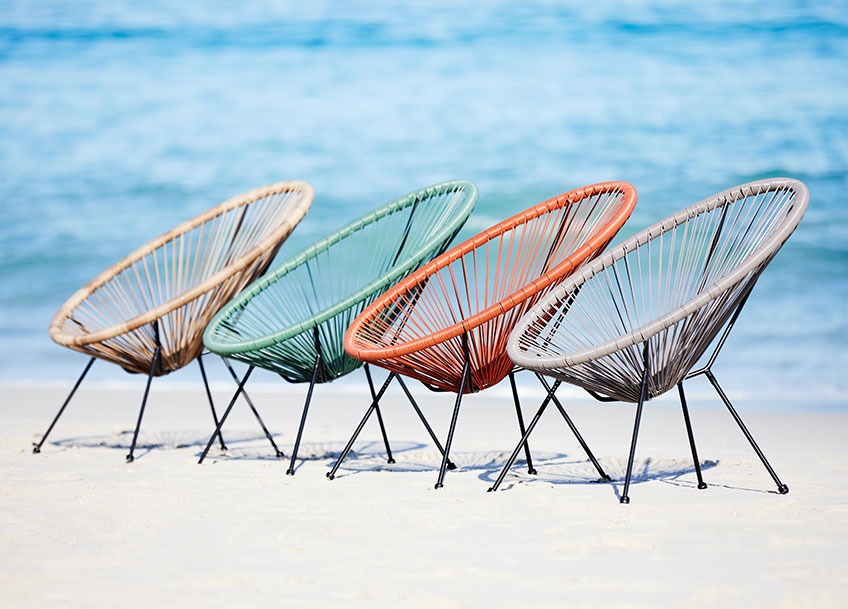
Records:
x=119, y=119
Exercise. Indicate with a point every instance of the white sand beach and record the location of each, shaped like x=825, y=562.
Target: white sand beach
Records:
x=81, y=528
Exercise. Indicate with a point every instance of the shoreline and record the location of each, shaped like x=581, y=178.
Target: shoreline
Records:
x=742, y=394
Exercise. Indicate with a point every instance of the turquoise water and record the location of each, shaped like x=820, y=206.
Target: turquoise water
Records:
x=119, y=119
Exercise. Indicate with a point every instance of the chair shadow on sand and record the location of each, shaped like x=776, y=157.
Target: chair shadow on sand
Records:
x=370, y=456
x=164, y=440
x=246, y=446
x=374, y=453
x=552, y=468
x=565, y=470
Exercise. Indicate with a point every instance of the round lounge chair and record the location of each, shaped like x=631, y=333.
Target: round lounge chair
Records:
x=634, y=323
x=147, y=313
x=447, y=324
x=292, y=321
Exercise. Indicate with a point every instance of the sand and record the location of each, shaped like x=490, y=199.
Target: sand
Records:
x=81, y=528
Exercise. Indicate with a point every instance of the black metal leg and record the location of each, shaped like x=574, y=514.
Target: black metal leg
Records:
x=36, y=448
x=211, y=402
x=781, y=488
x=530, y=469
x=131, y=456
x=290, y=470
x=707, y=370
x=225, y=415
x=517, y=450
x=332, y=473
x=625, y=497
x=277, y=452
x=701, y=483
x=465, y=373
x=451, y=464
x=572, y=426
x=389, y=457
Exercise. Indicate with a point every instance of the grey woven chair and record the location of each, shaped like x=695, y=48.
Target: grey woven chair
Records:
x=635, y=322
x=147, y=313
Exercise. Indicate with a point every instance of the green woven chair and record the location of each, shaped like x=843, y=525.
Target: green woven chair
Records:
x=292, y=321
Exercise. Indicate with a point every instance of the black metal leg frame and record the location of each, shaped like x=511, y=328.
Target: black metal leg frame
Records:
x=153, y=366
x=375, y=408
x=211, y=401
x=389, y=457
x=131, y=455
x=446, y=463
x=707, y=371
x=643, y=396
x=551, y=397
x=316, y=373
x=36, y=447
x=318, y=365
x=239, y=391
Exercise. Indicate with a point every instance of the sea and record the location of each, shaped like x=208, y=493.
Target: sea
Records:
x=120, y=119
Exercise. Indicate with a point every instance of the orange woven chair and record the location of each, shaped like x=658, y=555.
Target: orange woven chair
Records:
x=447, y=324
x=147, y=312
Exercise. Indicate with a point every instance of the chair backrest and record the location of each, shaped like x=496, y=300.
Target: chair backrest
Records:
x=672, y=287
x=461, y=306
x=164, y=293
x=303, y=306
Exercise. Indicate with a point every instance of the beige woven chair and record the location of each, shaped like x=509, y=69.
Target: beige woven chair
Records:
x=147, y=313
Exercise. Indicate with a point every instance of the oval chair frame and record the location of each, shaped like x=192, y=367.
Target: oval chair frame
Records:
x=259, y=256
x=731, y=289
x=399, y=270
x=145, y=347
x=258, y=351
x=357, y=348
x=464, y=378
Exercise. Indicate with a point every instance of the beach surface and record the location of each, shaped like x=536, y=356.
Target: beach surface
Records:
x=79, y=527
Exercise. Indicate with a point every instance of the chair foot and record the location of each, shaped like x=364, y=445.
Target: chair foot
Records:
x=130, y=458
x=330, y=476
x=491, y=489
x=439, y=485
x=451, y=465
x=783, y=489
x=390, y=460
x=35, y=448
x=289, y=472
x=279, y=455
x=532, y=471
x=703, y=485
x=624, y=499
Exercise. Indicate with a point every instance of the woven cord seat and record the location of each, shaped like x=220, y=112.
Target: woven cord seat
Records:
x=634, y=323
x=147, y=313
x=292, y=321
x=447, y=324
